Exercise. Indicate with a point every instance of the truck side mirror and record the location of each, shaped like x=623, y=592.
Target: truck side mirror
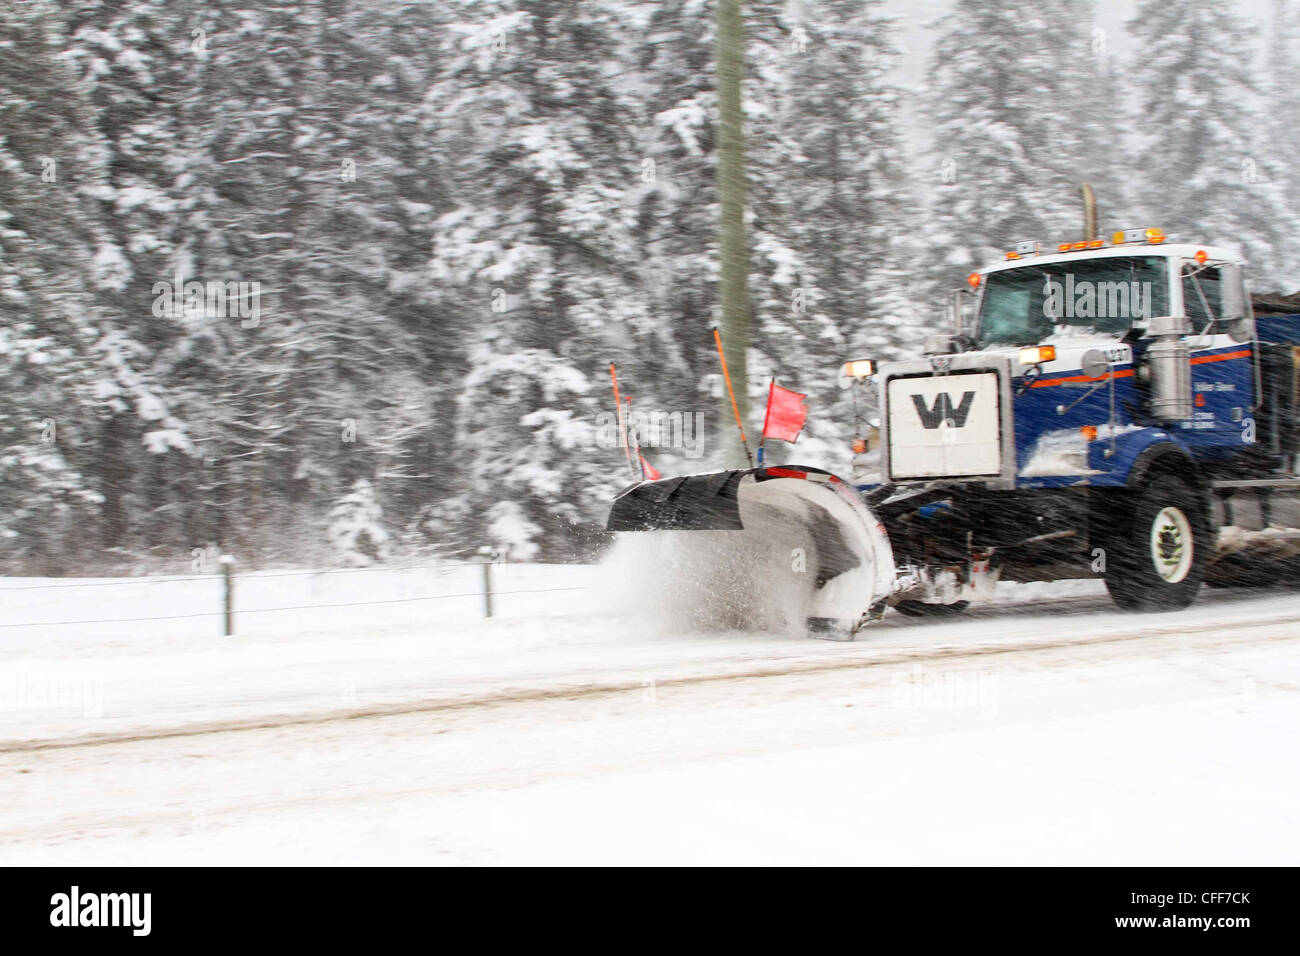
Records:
x=956, y=311
x=1233, y=292
x=1094, y=363
x=939, y=343
x=1238, y=315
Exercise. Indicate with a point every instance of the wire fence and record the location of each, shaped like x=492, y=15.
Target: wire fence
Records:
x=227, y=580
x=117, y=582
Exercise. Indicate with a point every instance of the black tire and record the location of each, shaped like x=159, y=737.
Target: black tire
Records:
x=921, y=609
x=1156, y=560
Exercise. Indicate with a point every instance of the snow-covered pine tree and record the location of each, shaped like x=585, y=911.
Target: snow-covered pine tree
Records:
x=136, y=65
x=670, y=362
x=307, y=193
x=356, y=530
x=1207, y=170
x=538, y=253
x=69, y=370
x=1099, y=119
x=229, y=155
x=1000, y=91
x=1282, y=67
x=835, y=217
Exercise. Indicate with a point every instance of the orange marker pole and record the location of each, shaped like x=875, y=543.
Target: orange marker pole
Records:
x=622, y=424
x=767, y=417
x=634, y=439
x=734, y=407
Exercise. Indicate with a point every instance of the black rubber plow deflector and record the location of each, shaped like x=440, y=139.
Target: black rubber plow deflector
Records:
x=688, y=503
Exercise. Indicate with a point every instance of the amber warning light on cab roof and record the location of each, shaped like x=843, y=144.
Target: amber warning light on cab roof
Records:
x=1030, y=247
x=1151, y=235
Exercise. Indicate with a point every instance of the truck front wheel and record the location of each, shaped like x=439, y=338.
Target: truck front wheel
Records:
x=1157, y=562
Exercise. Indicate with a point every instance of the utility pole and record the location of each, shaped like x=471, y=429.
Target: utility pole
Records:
x=1089, y=213
x=733, y=287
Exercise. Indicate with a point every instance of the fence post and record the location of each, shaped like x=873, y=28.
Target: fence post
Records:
x=228, y=601
x=485, y=557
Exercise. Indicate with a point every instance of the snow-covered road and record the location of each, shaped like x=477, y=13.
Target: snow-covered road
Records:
x=1053, y=732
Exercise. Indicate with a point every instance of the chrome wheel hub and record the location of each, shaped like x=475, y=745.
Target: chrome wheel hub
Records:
x=1171, y=545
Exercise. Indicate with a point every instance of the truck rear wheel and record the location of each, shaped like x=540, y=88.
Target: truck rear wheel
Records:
x=1157, y=562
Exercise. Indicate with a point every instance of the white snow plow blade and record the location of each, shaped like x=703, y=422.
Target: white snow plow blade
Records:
x=783, y=549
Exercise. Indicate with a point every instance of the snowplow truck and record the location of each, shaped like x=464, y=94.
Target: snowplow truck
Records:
x=1117, y=408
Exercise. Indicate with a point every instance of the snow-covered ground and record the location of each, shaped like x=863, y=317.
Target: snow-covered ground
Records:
x=567, y=729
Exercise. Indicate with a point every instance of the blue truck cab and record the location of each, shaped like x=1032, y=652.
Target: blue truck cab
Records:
x=1106, y=408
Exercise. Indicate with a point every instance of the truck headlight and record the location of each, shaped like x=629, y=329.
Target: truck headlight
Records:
x=1037, y=354
x=859, y=370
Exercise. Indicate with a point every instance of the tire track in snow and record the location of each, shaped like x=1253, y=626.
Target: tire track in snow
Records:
x=858, y=655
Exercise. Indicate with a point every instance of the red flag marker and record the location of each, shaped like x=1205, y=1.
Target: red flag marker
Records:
x=648, y=470
x=786, y=413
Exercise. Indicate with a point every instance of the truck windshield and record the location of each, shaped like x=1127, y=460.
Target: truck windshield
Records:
x=1025, y=305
